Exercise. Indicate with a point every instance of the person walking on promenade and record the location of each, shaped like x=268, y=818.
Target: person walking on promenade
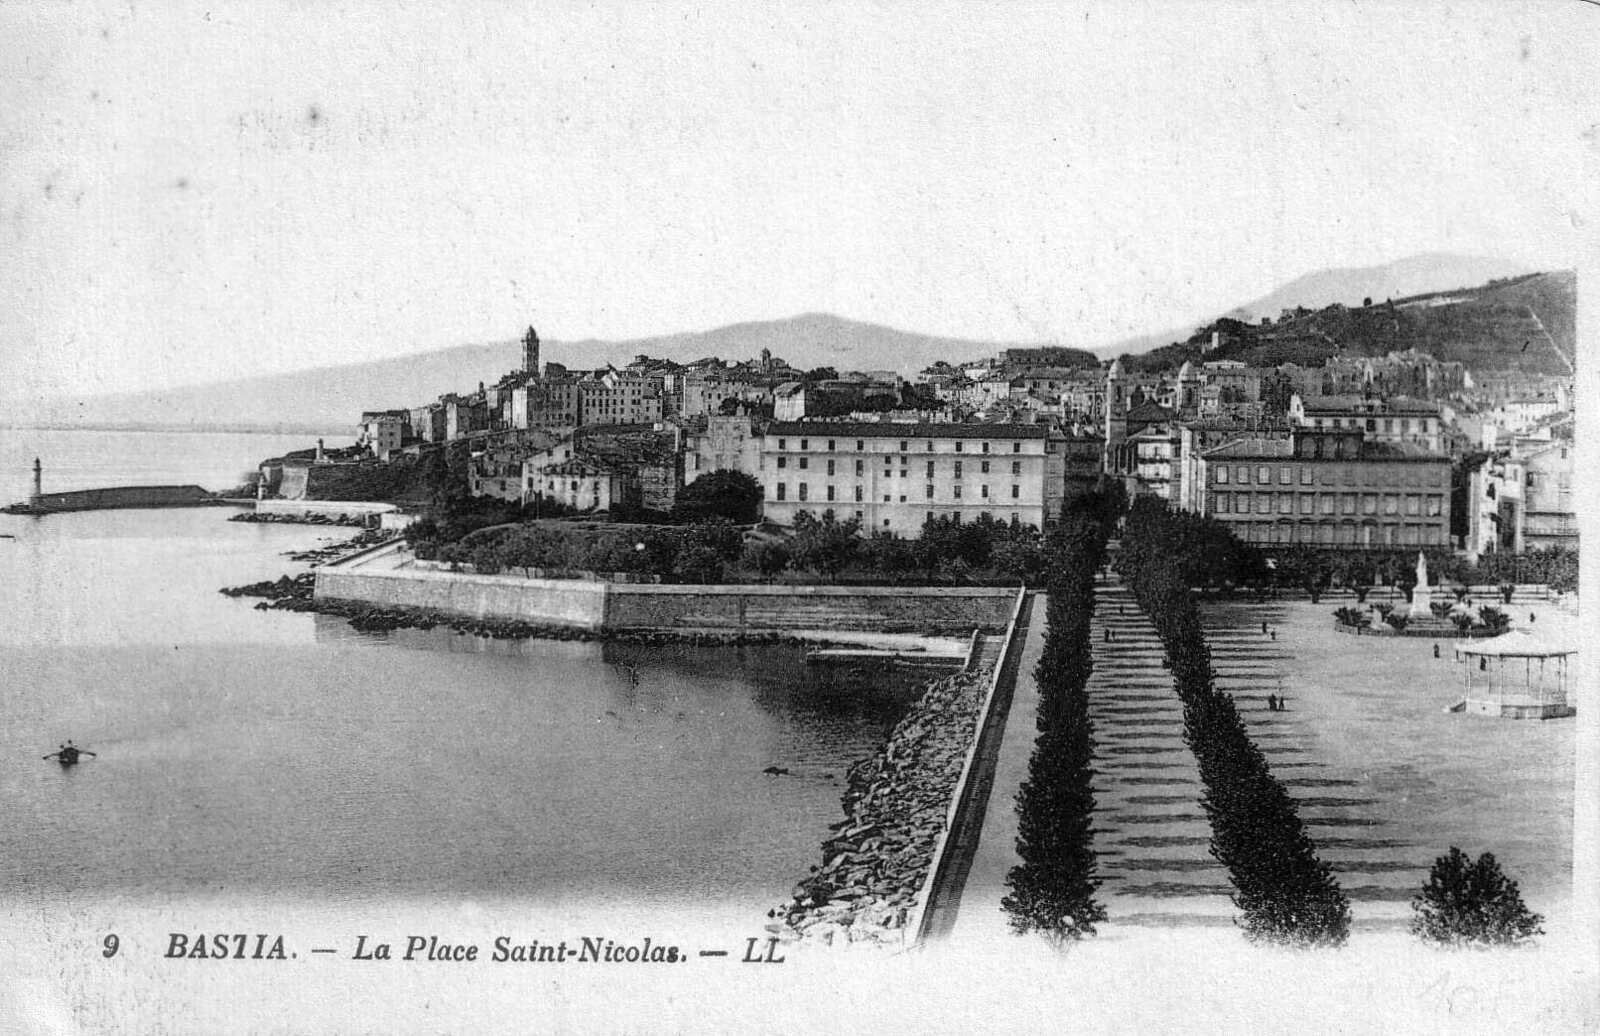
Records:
x=1272, y=703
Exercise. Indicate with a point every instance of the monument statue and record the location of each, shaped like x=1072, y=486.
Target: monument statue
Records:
x=1422, y=595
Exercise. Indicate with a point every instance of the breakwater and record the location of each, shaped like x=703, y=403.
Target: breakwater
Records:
x=896, y=805
x=116, y=497
x=309, y=518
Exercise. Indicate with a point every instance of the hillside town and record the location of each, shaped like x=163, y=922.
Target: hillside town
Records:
x=1336, y=451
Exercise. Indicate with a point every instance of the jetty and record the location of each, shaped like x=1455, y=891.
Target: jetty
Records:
x=42, y=503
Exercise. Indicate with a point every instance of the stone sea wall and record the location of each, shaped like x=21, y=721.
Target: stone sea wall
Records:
x=896, y=804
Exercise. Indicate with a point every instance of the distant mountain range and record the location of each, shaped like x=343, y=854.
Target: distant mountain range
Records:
x=331, y=398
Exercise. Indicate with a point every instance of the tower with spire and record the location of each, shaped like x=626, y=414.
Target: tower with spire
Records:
x=530, y=353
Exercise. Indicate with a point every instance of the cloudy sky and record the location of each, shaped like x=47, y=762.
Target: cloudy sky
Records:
x=190, y=194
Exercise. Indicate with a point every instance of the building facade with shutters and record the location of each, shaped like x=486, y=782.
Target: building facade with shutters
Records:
x=893, y=477
x=1330, y=490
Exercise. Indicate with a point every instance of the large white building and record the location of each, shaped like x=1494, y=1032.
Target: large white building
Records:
x=893, y=477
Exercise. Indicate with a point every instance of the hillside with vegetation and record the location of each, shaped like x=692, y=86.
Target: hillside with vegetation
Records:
x=1525, y=323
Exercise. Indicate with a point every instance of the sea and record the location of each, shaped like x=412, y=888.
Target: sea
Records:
x=274, y=756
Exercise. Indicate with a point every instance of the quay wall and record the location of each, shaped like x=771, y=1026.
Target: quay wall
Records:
x=594, y=605
x=331, y=508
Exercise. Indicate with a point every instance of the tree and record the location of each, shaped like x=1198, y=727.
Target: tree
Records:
x=1470, y=902
x=825, y=545
x=768, y=557
x=822, y=374
x=731, y=495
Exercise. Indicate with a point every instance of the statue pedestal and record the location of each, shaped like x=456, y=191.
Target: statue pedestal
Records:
x=1421, y=598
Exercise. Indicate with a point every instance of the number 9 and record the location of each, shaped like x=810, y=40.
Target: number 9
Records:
x=110, y=943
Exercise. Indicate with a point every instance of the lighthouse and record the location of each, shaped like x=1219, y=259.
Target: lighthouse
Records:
x=38, y=483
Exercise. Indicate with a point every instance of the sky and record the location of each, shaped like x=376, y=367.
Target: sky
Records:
x=190, y=194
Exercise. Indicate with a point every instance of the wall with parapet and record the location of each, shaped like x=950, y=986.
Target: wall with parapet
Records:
x=684, y=609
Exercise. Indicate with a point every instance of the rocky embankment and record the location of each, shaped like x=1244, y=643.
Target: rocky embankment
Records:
x=343, y=549
x=276, y=518
x=895, y=807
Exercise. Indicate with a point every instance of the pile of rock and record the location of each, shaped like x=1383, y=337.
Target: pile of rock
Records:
x=895, y=808
x=278, y=592
x=309, y=518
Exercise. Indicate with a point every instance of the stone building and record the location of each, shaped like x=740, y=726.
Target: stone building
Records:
x=893, y=477
x=1328, y=489
x=1408, y=422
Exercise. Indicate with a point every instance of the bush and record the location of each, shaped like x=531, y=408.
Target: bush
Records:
x=730, y=495
x=1492, y=618
x=1440, y=609
x=1352, y=617
x=1397, y=620
x=768, y=557
x=1472, y=903
x=1507, y=590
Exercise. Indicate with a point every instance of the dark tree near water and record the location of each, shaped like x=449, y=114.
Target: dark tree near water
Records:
x=1052, y=892
x=1471, y=903
x=729, y=495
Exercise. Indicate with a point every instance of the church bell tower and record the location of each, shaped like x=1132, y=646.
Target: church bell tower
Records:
x=530, y=352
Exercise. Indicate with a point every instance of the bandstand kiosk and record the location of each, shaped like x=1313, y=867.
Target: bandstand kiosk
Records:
x=1516, y=675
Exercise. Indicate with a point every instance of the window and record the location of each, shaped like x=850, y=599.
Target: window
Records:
x=1391, y=503
x=984, y=491
x=930, y=490
x=1221, y=503
x=830, y=465
x=1263, y=503
x=1347, y=503
x=1285, y=503
x=1435, y=505
x=1220, y=475
x=1305, y=474
x=782, y=491
x=1243, y=474
x=803, y=463
x=783, y=444
x=830, y=492
x=858, y=494
x=985, y=447
x=1263, y=475
x=958, y=469
x=783, y=462
x=1284, y=475
x=903, y=445
x=984, y=467
x=958, y=445
x=1308, y=503
x=830, y=445
x=1325, y=503
x=860, y=445
x=1413, y=504
x=860, y=468
x=1016, y=447
x=1369, y=503
x=803, y=488
x=930, y=469
x=1016, y=519
x=805, y=444
x=930, y=445
x=957, y=491
x=1016, y=467
x=930, y=516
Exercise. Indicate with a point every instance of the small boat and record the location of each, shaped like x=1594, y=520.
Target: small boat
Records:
x=68, y=754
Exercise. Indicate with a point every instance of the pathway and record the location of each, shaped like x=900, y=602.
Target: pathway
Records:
x=1151, y=836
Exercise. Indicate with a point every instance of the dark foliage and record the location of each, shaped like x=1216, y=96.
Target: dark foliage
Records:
x=730, y=495
x=1469, y=902
x=1052, y=892
x=1284, y=892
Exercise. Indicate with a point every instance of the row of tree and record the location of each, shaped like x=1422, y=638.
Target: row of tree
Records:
x=1316, y=571
x=1052, y=892
x=1284, y=892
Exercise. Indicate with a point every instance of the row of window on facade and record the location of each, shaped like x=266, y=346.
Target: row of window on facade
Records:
x=1340, y=534
x=905, y=446
x=803, y=463
x=1430, y=505
x=1335, y=474
x=985, y=516
x=803, y=492
x=1371, y=423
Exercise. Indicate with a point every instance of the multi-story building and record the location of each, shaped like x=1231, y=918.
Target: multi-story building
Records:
x=384, y=431
x=713, y=442
x=1328, y=489
x=1404, y=422
x=428, y=422
x=619, y=397
x=549, y=403
x=893, y=477
x=615, y=466
x=1550, y=520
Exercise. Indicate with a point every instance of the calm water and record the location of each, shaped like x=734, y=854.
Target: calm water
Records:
x=275, y=754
